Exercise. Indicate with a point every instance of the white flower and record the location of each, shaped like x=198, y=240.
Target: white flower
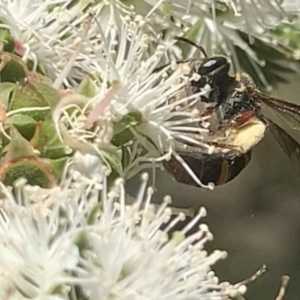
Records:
x=45, y=32
x=132, y=94
x=89, y=166
x=131, y=257
x=217, y=27
x=38, y=251
x=126, y=251
x=142, y=94
x=254, y=13
x=86, y=142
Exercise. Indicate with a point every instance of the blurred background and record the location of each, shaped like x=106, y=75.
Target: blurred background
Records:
x=256, y=217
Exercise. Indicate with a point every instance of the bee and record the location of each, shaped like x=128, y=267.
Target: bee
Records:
x=238, y=107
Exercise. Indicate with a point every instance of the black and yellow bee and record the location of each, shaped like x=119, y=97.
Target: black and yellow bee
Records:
x=237, y=105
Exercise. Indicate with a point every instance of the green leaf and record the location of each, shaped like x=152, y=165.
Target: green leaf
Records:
x=82, y=242
x=122, y=132
x=58, y=166
x=24, y=124
x=14, y=70
x=21, y=120
x=37, y=77
x=92, y=215
x=7, y=42
x=289, y=33
x=34, y=170
x=6, y=88
x=48, y=142
x=18, y=147
x=125, y=157
x=122, y=138
x=113, y=158
x=193, y=31
x=87, y=87
x=27, y=96
x=50, y=94
x=132, y=119
x=20, y=161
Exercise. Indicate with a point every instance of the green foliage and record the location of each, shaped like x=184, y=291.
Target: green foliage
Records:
x=34, y=150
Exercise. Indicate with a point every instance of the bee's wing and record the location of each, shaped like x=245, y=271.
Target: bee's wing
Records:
x=288, y=144
x=287, y=111
x=290, y=113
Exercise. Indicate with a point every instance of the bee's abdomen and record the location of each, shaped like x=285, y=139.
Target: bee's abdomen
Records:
x=216, y=169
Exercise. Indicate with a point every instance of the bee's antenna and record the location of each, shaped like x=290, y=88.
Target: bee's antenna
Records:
x=179, y=38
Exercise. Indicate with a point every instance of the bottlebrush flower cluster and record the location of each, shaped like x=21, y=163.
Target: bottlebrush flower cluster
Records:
x=91, y=94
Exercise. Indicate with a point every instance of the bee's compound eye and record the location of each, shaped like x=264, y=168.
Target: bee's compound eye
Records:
x=212, y=64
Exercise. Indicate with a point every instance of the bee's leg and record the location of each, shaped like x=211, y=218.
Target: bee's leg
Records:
x=208, y=111
x=239, y=121
x=243, y=118
x=234, y=150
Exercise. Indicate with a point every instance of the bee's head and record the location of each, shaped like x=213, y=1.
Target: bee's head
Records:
x=214, y=66
x=213, y=72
